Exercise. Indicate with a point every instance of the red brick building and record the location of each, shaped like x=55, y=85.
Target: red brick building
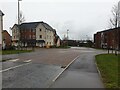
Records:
x=6, y=40
x=107, y=39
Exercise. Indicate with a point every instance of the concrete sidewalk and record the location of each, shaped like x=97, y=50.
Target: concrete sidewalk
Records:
x=81, y=74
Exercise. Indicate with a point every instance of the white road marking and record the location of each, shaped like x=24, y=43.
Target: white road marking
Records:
x=64, y=69
x=27, y=61
x=14, y=60
x=14, y=67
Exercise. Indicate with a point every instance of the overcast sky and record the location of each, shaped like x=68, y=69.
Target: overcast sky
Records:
x=83, y=18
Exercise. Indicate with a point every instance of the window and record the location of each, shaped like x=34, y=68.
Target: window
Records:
x=29, y=36
x=33, y=36
x=40, y=29
x=31, y=30
x=14, y=30
x=40, y=36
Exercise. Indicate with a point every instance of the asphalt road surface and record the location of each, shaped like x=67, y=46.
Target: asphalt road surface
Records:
x=38, y=69
x=82, y=73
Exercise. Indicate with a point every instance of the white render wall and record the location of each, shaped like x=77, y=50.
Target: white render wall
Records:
x=42, y=32
x=47, y=35
x=15, y=33
x=1, y=28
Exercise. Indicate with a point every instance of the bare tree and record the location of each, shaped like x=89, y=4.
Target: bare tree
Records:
x=115, y=16
x=21, y=18
x=114, y=22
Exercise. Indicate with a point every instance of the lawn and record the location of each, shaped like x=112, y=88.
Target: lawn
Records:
x=108, y=65
x=4, y=52
x=0, y=52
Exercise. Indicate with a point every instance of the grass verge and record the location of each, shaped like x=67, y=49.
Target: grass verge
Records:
x=4, y=52
x=0, y=52
x=61, y=47
x=108, y=66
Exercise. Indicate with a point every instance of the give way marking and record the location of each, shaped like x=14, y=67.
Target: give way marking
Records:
x=28, y=62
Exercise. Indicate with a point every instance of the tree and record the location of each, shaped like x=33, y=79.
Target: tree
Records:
x=115, y=17
x=21, y=18
x=115, y=21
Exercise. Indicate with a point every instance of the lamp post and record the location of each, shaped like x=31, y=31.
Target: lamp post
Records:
x=67, y=33
x=19, y=12
x=67, y=36
x=19, y=22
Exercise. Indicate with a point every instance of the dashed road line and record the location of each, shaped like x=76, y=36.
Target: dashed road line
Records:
x=14, y=67
x=27, y=61
x=14, y=60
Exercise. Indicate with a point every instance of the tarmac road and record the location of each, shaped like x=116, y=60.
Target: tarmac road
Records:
x=82, y=73
x=38, y=69
x=31, y=75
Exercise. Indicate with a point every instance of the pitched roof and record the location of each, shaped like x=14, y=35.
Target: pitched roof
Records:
x=47, y=26
x=35, y=24
x=118, y=28
x=29, y=25
x=1, y=13
x=5, y=31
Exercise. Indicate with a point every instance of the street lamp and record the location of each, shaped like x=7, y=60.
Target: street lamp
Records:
x=19, y=12
x=19, y=22
x=67, y=33
x=67, y=37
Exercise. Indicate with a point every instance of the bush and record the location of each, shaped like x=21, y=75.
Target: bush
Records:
x=12, y=48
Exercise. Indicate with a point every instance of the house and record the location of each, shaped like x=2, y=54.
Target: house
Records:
x=6, y=43
x=33, y=34
x=1, y=27
x=57, y=41
x=107, y=39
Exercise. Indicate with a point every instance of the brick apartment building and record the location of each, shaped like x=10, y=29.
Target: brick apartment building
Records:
x=107, y=39
x=38, y=34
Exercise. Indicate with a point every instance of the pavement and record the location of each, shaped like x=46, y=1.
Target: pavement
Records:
x=82, y=73
x=40, y=68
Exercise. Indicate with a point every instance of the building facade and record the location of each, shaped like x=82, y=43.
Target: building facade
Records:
x=1, y=27
x=107, y=39
x=6, y=43
x=31, y=34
